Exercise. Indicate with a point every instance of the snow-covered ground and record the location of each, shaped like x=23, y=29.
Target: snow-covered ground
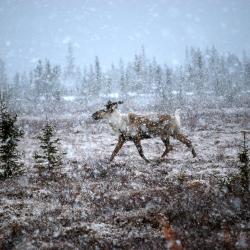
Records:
x=129, y=204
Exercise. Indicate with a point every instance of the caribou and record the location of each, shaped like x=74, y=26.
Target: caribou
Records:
x=133, y=127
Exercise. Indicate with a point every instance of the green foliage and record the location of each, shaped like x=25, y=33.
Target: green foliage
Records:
x=9, y=137
x=239, y=182
x=49, y=156
x=244, y=166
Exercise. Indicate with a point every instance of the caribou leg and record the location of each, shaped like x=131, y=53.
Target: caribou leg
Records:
x=121, y=141
x=169, y=147
x=182, y=138
x=137, y=143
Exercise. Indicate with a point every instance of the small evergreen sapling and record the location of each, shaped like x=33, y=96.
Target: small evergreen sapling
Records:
x=244, y=166
x=49, y=156
x=240, y=182
x=9, y=136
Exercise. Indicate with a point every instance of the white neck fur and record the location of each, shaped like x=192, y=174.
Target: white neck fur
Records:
x=117, y=121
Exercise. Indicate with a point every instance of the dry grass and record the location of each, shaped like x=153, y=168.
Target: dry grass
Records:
x=172, y=204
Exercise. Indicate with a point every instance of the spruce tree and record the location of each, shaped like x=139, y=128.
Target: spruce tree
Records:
x=9, y=136
x=49, y=155
x=244, y=171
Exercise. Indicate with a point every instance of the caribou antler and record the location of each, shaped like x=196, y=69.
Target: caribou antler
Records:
x=110, y=104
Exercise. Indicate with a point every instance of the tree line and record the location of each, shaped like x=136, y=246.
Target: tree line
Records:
x=201, y=72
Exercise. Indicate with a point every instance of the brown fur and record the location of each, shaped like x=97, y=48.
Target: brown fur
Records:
x=165, y=126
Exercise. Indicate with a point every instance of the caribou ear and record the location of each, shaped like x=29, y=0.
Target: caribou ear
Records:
x=108, y=105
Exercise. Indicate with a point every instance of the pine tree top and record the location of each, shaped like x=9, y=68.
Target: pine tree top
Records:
x=7, y=125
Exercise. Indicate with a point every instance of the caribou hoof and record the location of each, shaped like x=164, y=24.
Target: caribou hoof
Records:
x=110, y=160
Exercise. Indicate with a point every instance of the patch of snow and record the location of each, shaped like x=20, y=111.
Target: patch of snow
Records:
x=69, y=98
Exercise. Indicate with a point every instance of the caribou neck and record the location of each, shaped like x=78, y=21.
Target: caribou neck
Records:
x=117, y=121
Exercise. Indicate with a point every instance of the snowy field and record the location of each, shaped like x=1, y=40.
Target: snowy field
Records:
x=62, y=61
x=175, y=203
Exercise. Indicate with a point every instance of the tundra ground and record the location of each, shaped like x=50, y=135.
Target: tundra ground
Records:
x=173, y=203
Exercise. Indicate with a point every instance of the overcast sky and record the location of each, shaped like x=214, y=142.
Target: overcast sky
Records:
x=34, y=29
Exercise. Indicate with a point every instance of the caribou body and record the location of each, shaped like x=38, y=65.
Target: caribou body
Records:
x=133, y=127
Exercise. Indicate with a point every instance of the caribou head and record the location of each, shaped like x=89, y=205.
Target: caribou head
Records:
x=110, y=107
